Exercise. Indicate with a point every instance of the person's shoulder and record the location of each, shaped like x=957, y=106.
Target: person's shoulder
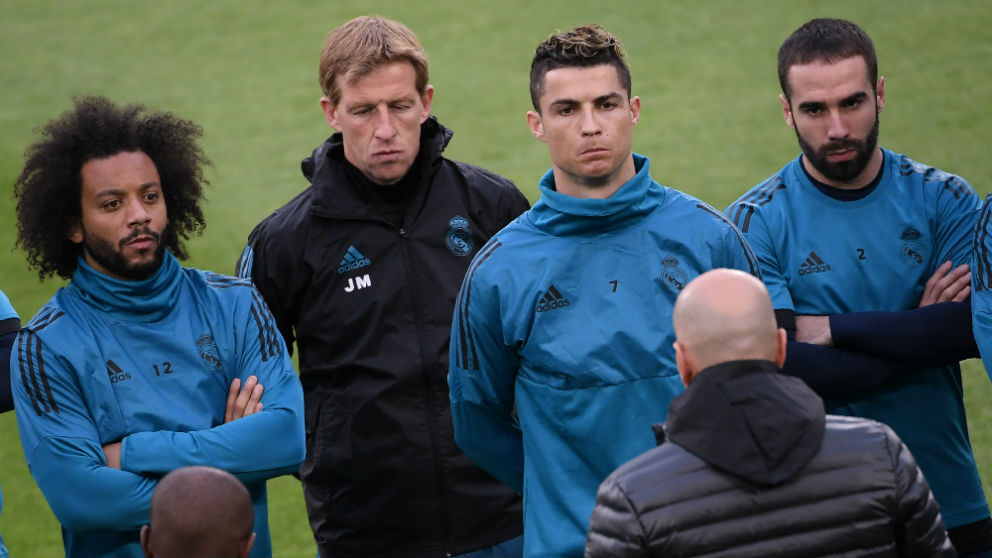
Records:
x=510, y=252
x=692, y=211
x=60, y=324
x=481, y=181
x=656, y=467
x=7, y=310
x=861, y=439
x=932, y=178
x=772, y=198
x=849, y=429
x=289, y=219
x=771, y=190
x=223, y=297
x=49, y=315
x=218, y=283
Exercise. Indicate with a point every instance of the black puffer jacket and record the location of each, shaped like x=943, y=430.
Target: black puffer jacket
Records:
x=369, y=303
x=753, y=467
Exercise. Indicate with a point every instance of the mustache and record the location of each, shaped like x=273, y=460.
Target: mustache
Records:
x=842, y=144
x=139, y=232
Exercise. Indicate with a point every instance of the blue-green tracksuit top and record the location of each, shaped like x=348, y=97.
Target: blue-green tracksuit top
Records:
x=566, y=315
x=6, y=312
x=824, y=256
x=981, y=284
x=149, y=363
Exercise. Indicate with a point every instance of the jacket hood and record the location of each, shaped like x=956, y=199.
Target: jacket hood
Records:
x=746, y=418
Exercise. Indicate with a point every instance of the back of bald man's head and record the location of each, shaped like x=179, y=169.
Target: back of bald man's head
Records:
x=199, y=511
x=725, y=315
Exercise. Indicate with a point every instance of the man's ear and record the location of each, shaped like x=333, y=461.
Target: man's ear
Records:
x=781, y=341
x=684, y=363
x=146, y=540
x=536, y=125
x=787, y=111
x=880, y=94
x=246, y=545
x=330, y=112
x=74, y=232
x=426, y=99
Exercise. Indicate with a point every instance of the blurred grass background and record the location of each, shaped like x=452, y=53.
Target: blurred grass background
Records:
x=247, y=72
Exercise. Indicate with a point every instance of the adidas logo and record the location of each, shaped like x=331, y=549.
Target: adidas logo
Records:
x=352, y=260
x=552, y=300
x=115, y=373
x=813, y=264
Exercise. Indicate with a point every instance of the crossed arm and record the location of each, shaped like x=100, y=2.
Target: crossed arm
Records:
x=843, y=354
x=945, y=285
x=241, y=402
x=75, y=471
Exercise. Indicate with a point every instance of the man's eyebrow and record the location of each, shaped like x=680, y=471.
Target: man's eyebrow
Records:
x=607, y=97
x=372, y=103
x=563, y=102
x=806, y=105
x=569, y=102
x=859, y=96
x=119, y=191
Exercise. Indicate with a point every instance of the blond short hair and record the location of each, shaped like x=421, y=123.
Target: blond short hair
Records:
x=361, y=45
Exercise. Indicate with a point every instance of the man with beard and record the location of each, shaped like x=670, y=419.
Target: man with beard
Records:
x=138, y=366
x=865, y=254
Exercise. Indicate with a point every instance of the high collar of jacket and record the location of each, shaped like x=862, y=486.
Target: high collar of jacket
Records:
x=336, y=196
x=148, y=300
x=560, y=214
x=746, y=418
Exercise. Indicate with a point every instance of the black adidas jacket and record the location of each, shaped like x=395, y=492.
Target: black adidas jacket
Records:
x=753, y=467
x=369, y=305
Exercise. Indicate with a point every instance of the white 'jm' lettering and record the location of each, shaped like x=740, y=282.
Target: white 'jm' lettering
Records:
x=361, y=283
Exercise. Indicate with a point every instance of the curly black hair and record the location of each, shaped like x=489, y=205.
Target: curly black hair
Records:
x=49, y=189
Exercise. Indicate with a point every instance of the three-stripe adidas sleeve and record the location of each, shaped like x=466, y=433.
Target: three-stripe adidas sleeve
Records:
x=747, y=217
x=981, y=284
x=63, y=446
x=482, y=372
x=256, y=447
x=958, y=207
x=277, y=274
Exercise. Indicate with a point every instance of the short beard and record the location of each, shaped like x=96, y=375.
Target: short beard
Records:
x=113, y=260
x=843, y=171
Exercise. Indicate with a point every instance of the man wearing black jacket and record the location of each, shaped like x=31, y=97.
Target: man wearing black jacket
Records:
x=361, y=269
x=749, y=465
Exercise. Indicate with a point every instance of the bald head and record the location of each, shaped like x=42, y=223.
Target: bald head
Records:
x=199, y=511
x=725, y=315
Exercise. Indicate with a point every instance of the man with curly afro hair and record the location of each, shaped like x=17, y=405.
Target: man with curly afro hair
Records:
x=138, y=366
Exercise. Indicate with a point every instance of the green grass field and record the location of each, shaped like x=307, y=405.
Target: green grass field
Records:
x=247, y=72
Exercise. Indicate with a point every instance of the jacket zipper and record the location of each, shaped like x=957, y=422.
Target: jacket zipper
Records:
x=430, y=406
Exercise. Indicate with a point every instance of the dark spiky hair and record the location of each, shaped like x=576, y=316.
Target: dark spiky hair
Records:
x=584, y=46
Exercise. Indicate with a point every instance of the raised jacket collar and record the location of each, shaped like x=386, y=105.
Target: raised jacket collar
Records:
x=559, y=214
x=148, y=300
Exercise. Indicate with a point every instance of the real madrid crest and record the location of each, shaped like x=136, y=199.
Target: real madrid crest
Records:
x=912, y=250
x=673, y=278
x=208, y=352
x=460, y=239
